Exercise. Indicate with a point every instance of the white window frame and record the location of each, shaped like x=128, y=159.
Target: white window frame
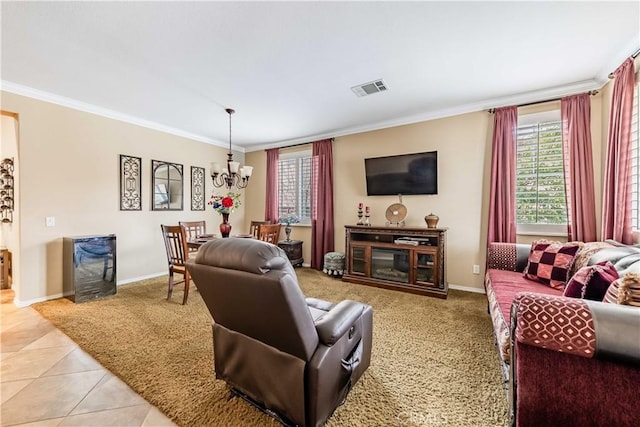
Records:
x=555, y=230
x=288, y=156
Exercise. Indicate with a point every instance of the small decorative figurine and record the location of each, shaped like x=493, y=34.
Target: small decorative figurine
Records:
x=360, y=214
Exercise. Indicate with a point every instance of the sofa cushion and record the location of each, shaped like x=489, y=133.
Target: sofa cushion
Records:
x=585, y=253
x=502, y=287
x=625, y=258
x=550, y=262
x=625, y=290
x=591, y=282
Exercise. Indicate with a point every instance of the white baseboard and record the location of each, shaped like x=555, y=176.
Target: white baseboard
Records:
x=26, y=303
x=466, y=289
x=136, y=279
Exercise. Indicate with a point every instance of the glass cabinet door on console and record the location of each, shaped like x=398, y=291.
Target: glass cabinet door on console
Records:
x=359, y=256
x=390, y=264
x=425, y=266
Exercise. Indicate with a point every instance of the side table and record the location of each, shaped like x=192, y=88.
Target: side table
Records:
x=293, y=249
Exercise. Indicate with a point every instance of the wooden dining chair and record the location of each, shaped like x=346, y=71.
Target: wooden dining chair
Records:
x=255, y=226
x=175, y=242
x=269, y=233
x=193, y=230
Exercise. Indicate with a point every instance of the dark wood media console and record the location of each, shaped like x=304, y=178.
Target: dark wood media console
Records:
x=409, y=259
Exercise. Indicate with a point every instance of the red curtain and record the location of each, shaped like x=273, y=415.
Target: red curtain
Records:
x=578, y=160
x=271, y=200
x=502, y=211
x=616, y=203
x=322, y=231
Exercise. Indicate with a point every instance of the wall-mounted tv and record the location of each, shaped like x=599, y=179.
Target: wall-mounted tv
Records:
x=404, y=174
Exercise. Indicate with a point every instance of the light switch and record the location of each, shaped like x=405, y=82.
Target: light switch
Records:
x=51, y=221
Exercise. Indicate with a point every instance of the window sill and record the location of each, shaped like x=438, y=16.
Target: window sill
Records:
x=551, y=230
x=541, y=233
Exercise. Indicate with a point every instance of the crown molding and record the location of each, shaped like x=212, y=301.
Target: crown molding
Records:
x=517, y=99
x=52, y=98
x=521, y=98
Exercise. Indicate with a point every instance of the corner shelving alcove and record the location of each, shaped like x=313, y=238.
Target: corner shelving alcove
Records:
x=409, y=259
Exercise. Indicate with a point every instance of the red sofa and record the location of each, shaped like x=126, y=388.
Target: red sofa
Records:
x=566, y=361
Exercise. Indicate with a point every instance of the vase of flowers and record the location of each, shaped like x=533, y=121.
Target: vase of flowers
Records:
x=287, y=220
x=224, y=205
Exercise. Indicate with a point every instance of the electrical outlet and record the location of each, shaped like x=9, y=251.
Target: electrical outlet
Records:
x=476, y=269
x=50, y=221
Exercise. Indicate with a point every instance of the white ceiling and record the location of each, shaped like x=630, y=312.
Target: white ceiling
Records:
x=287, y=67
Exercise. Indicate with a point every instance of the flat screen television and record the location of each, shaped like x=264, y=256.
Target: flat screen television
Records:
x=404, y=174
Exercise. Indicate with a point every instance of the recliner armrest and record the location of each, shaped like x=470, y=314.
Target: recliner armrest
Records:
x=338, y=321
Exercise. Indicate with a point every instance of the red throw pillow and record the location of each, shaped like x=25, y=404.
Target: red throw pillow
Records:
x=550, y=262
x=591, y=282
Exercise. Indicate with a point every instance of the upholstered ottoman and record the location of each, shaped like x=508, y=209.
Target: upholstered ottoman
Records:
x=333, y=263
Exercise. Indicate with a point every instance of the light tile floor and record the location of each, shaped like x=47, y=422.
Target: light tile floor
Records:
x=47, y=380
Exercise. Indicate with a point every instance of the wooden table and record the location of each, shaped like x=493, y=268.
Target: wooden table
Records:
x=196, y=243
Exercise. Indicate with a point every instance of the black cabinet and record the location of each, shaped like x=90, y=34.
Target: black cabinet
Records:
x=293, y=249
x=89, y=269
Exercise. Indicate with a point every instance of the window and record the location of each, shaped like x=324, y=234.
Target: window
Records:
x=635, y=161
x=294, y=185
x=541, y=206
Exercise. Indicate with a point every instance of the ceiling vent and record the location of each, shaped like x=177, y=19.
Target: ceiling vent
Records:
x=370, y=88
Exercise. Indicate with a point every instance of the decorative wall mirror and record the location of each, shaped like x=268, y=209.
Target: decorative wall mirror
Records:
x=167, y=186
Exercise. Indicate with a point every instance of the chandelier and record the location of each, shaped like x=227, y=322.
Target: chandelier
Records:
x=233, y=175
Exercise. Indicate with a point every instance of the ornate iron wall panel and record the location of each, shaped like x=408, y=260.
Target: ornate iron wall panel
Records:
x=197, y=188
x=130, y=183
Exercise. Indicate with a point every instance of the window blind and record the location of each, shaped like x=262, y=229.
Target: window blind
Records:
x=294, y=186
x=540, y=191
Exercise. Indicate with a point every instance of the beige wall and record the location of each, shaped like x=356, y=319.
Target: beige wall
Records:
x=464, y=160
x=69, y=169
x=460, y=142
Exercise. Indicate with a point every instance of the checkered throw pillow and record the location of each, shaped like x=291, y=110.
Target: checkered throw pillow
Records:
x=550, y=262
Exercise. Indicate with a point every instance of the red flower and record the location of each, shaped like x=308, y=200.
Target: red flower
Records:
x=227, y=202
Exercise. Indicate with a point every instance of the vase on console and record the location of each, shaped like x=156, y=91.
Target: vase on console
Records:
x=225, y=227
x=432, y=220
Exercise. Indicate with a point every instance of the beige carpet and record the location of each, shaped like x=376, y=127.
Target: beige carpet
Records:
x=433, y=361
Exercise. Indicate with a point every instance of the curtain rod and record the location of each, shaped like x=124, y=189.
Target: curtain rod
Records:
x=634, y=56
x=591, y=92
x=301, y=143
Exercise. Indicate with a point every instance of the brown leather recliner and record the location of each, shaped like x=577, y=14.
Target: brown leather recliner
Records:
x=294, y=358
